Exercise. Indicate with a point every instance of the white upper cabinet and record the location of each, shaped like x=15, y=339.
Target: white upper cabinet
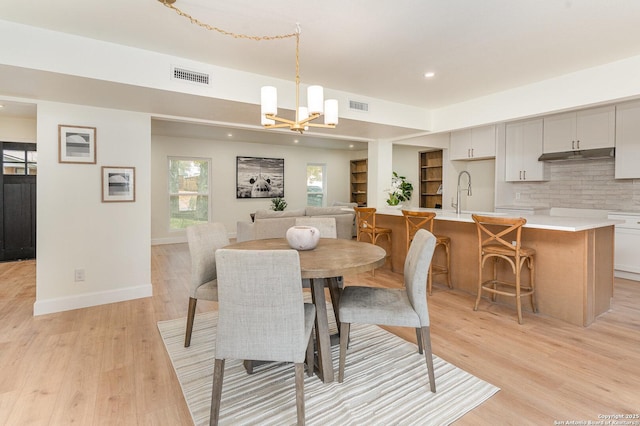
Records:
x=627, y=140
x=473, y=144
x=586, y=129
x=523, y=147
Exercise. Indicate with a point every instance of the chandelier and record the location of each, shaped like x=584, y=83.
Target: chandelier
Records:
x=316, y=105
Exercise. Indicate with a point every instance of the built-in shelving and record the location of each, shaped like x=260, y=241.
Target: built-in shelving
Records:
x=359, y=182
x=431, y=179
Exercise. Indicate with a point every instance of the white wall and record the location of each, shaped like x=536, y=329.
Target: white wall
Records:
x=225, y=207
x=76, y=230
x=406, y=162
x=593, y=86
x=14, y=129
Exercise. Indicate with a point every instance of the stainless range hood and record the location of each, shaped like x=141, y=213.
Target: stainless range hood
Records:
x=587, y=154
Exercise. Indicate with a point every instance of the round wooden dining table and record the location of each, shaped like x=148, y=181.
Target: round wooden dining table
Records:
x=330, y=259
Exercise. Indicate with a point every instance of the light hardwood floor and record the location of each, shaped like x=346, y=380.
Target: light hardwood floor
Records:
x=107, y=364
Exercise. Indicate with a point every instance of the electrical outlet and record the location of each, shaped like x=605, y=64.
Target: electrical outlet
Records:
x=517, y=195
x=79, y=275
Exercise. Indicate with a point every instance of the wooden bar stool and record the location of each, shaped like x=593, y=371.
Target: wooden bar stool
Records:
x=366, y=226
x=415, y=220
x=504, y=244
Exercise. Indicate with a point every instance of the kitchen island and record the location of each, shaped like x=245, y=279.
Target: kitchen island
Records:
x=573, y=264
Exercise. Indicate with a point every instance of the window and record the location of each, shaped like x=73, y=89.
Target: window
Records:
x=19, y=162
x=188, y=192
x=316, y=185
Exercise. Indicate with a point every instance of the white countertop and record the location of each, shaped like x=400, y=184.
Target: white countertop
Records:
x=538, y=221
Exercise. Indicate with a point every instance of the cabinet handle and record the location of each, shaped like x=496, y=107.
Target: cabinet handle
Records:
x=468, y=152
x=524, y=175
x=578, y=144
x=573, y=144
x=471, y=152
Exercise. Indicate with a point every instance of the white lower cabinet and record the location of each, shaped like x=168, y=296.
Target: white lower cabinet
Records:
x=627, y=241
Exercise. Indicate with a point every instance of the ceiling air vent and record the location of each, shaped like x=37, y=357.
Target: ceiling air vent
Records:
x=359, y=106
x=190, y=76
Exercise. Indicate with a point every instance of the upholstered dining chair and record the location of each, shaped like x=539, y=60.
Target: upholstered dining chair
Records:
x=262, y=316
x=204, y=240
x=326, y=225
x=402, y=307
x=415, y=220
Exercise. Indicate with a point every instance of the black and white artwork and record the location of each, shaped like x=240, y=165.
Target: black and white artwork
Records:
x=118, y=184
x=76, y=144
x=258, y=177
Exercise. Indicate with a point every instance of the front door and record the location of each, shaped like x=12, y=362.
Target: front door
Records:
x=18, y=201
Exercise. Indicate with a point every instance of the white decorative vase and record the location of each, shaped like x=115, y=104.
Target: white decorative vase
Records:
x=303, y=237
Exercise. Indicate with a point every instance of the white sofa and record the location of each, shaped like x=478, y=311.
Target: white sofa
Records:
x=272, y=224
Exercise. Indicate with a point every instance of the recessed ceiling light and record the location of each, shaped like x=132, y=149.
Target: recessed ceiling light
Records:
x=296, y=141
x=429, y=74
x=351, y=146
x=229, y=135
x=1, y=106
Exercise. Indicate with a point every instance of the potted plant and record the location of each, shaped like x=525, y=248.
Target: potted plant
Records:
x=278, y=204
x=400, y=190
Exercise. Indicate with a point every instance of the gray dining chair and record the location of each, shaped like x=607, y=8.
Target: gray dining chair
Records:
x=401, y=307
x=204, y=240
x=262, y=316
x=326, y=225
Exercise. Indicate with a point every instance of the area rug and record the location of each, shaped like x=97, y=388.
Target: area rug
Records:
x=385, y=383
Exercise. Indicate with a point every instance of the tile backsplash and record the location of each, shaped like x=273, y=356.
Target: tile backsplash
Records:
x=584, y=184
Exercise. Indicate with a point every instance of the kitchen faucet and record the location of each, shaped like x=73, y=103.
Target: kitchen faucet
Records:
x=457, y=203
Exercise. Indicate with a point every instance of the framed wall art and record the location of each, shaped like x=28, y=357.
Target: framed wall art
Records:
x=118, y=184
x=76, y=144
x=258, y=177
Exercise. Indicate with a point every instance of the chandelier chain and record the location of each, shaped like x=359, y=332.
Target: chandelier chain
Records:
x=229, y=33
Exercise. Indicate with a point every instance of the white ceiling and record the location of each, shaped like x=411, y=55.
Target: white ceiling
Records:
x=374, y=48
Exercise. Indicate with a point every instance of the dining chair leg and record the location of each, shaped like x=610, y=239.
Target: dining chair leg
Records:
x=429, y=281
x=344, y=341
x=426, y=339
x=216, y=393
x=419, y=340
x=310, y=356
x=299, y=367
x=334, y=291
x=191, y=314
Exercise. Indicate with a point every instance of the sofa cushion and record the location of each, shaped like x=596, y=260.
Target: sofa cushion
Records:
x=269, y=214
x=320, y=211
x=344, y=204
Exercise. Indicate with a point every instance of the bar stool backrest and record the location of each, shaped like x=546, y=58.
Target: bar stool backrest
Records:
x=416, y=220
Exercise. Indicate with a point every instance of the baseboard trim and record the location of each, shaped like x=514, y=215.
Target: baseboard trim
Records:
x=169, y=240
x=626, y=275
x=60, y=304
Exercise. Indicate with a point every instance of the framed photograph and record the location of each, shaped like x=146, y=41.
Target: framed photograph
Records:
x=258, y=177
x=76, y=144
x=118, y=184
